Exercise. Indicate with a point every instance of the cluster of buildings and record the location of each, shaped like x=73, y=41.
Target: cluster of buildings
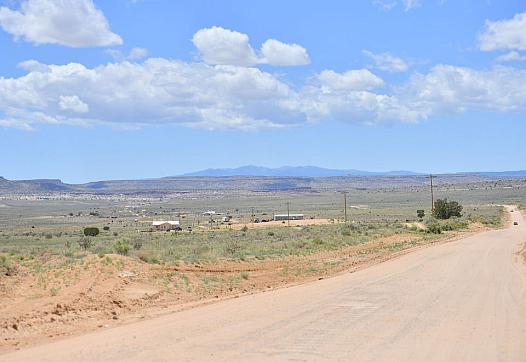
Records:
x=176, y=224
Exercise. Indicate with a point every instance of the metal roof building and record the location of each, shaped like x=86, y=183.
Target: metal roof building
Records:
x=280, y=217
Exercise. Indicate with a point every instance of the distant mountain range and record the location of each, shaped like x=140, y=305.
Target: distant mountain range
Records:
x=499, y=174
x=293, y=171
x=249, y=178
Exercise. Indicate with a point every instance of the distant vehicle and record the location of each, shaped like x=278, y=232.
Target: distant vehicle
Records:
x=515, y=223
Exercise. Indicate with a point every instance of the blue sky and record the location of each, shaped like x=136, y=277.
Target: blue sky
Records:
x=93, y=90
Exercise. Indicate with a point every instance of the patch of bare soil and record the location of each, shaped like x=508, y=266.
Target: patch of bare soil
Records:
x=418, y=225
x=52, y=297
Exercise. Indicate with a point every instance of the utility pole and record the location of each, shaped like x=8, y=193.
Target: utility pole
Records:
x=252, y=216
x=432, y=194
x=345, y=204
x=288, y=213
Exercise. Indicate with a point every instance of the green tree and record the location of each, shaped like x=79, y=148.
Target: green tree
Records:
x=445, y=209
x=91, y=231
x=420, y=214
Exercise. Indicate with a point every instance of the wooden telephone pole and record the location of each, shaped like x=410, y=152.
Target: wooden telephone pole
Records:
x=432, y=194
x=345, y=205
x=288, y=213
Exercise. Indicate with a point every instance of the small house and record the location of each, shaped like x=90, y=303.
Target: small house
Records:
x=166, y=225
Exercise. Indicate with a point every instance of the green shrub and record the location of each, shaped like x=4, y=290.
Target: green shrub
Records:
x=85, y=242
x=232, y=248
x=446, y=209
x=434, y=228
x=454, y=224
x=438, y=226
x=317, y=241
x=300, y=244
x=91, y=231
x=106, y=228
x=137, y=244
x=121, y=246
x=6, y=267
x=420, y=214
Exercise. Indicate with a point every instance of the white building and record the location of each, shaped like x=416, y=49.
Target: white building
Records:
x=281, y=217
x=166, y=225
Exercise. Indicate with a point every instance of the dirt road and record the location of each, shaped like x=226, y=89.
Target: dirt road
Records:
x=460, y=301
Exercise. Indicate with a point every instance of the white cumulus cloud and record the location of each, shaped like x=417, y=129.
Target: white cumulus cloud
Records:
x=33, y=66
x=72, y=103
x=356, y=79
x=72, y=23
x=217, y=45
x=387, y=61
x=388, y=5
x=411, y=4
x=362, y=107
x=277, y=53
x=134, y=54
x=162, y=91
x=458, y=89
x=138, y=53
x=504, y=34
x=158, y=91
x=222, y=46
x=512, y=56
